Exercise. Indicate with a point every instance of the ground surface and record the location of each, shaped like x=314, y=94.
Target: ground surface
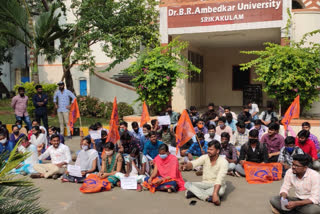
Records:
x=241, y=198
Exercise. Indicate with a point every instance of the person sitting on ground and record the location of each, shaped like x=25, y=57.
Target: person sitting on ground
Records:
x=146, y=129
x=212, y=134
x=253, y=110
x=287, y=152
x=306, y=183
x=273, y=141
x=197, y=150
x=166, y=174
x=38, y=139
x=112, y=162
x=123, y=128
x=127, y=143
x=223, y=128
x=307, y=126
x=15, y=136
x=227, y=109
x=230, y=121
x=5, y=145
x=26, y=166
x=252, y=151
x=229, y=152
x=151, y=148
x=167, y=136
x=261, y=128
x=245, y=117
x=201, y=127
x=241, y=136
x=308, y=147
x=173, y=115
x=53, y=130
x=87, y=159
x=210, y=115
x=194, y=115
x=136, y=165
x=100, y=127
x=215, y=169
x=42, y=128
x=60, y=156
x=136, y=131
x=267, y=115
x=22, y=129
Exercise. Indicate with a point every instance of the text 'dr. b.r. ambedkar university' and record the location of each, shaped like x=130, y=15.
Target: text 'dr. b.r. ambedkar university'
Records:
x=226, y=12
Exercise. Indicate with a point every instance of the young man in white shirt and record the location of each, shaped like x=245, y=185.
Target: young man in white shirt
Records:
x=60, y=156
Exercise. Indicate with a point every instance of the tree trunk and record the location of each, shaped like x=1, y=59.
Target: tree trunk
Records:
x=68, y=79
x=34, y=70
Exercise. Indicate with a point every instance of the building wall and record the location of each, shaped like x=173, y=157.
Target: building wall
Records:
x=305, y=21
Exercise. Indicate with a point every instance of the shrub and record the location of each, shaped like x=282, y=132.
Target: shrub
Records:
x=124, y=109
x=91, y=106
x=48, y=89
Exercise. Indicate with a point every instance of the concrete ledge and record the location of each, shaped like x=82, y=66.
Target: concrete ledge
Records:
x=298, y=122
x=137, y=118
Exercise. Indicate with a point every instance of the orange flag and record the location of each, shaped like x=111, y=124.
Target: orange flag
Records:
x=262, y=173
x=145, y=117
x=74, y=114
x=114, y=114
x=292, y=112
x=184, y=130
x=113, y=135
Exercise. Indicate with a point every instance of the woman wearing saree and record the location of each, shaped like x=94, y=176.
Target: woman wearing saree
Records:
x=166, y=175
x=112, y=162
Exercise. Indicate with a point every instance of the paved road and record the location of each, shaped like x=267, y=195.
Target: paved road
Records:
x=241, y=198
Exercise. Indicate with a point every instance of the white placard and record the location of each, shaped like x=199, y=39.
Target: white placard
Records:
x=173, y=151
x=129, y=182
x=164, y=120
x=95, y=134
x=74, y=170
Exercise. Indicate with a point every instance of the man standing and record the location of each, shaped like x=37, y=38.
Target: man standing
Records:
x=19, y=103
x=306, y=183
x=273, y=141
x=62, y=102
x=253, y=151
x=60, y=156
x=40, y=101
x=215, y=169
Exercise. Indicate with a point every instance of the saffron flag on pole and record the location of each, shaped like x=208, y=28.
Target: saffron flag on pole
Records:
x=184, y=130
x=74, y=114
x=145, y=117
x=113, y=135
x=114, y=114
x=292, y=112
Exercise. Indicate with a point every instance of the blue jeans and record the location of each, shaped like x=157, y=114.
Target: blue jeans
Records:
x=26, y=119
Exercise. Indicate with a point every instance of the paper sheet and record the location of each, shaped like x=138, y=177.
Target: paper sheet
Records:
x=95, y=134
x=284, y=203
x=74, y=170
x=164, y=120
x=129, y=182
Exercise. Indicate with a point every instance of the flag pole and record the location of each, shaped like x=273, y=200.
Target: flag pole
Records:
x=199, y=142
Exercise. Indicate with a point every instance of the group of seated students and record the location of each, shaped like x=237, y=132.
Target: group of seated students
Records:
x=221, y=146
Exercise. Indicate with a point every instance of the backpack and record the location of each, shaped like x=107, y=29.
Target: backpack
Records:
x=246, y=147
x=265, y=115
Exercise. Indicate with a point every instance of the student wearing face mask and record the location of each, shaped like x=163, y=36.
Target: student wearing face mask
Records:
x=22, y=129
x=5, y=145
x=252, y=151
x=87, y=159
x=287, y=153
x=15, y=136
x=123, y=128
x=195, y=150
x=222, y=127
x=212, y=135
x=229, y=152
x=174, y=116
x=146, y=129
x=112, y=162
x=201, y=127
x=136, y=165
x=166, y=175
x=19, y=103
x=136, y=132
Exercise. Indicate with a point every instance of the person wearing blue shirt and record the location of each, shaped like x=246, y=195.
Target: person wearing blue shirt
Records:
x=136, y=131
x=16, y=135
x=151, y=147
x=231, y=122
x=62, y=103
x=5, y=145
x=195, y=149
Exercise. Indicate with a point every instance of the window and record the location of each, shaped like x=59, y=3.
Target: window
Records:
x=197, y=60
x=239, y=78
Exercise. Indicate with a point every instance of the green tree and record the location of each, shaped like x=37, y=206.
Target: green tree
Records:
x=120, y=27
x=156, y=72
x=38, y=37
x=17, y=195
x=288, y=71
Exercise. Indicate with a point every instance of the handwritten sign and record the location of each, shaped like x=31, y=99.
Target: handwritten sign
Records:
x=129, y=182
x=164, y=120
x=74, y=170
